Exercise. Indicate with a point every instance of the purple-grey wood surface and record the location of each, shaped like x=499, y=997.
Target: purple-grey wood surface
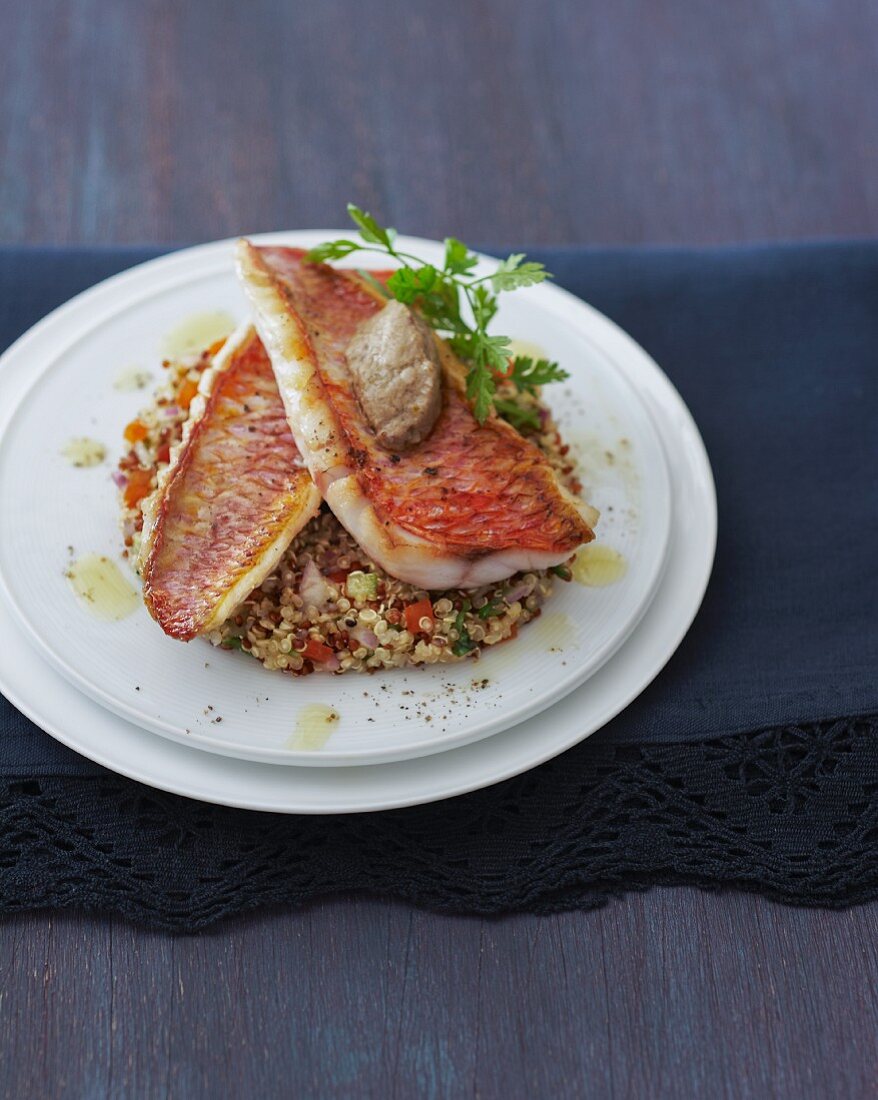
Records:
x=629, y=121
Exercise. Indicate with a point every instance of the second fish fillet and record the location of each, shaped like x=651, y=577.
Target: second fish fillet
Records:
x=234, y=496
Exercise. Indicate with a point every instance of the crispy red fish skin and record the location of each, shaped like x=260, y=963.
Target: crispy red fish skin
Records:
x=470, y=504
x=234, y=496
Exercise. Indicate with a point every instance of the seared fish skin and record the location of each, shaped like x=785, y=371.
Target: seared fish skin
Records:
x=469, y=505
x=234, y=496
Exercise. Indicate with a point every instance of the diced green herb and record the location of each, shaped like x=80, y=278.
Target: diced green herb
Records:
x=492, y=607
x=233, y=642
x=464, y=643
x=561, y=571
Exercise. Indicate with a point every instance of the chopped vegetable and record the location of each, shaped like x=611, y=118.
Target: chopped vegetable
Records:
x=186, y=392
x=561, y=571
x=317, y=651
x=313, y=587
x=362, y=586
x=364, y=636
x=215, y=347
x=464, y=643
x=232, y=641
x=139, y=486
x=415, y=612
x=492, y=607
x=136, y=431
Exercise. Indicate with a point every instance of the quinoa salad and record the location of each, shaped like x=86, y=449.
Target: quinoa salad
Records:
x=327, y=607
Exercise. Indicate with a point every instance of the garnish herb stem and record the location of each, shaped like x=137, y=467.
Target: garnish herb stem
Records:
x=436, y=293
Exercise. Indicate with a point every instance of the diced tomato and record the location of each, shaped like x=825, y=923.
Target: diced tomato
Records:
x=423, y=609
x=316, y=651
x=138, y=486
x=498, y=374
x=185, y=392
x=135, y=431
x=163, y=454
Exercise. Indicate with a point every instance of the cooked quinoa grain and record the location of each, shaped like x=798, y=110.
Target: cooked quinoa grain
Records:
x=363, y=619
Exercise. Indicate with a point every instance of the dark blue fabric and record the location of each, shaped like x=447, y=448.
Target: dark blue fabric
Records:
x=775, y=350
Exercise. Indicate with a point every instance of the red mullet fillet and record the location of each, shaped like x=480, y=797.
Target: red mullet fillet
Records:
x=233, y=498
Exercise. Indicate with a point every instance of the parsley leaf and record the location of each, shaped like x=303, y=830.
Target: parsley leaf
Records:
x=528, y=375
x=332, y=250
x=484, y=306
x=458, y=258
x=370, y=230
x=512, y=273
x=408, y=283
x=480, y=389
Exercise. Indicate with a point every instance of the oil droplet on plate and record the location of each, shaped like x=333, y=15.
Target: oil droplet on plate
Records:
x=313, y=727
x=82, y=452
x=101, y=588
x=131, y=379
x=597, y=565
x=196, y=333
x=553, y=630
x=527, y=348
x=502, y=655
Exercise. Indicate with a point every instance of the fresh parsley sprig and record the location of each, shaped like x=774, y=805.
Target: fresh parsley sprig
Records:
x=460, y=307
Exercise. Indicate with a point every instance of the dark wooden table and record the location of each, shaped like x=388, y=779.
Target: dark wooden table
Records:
x=501, y=122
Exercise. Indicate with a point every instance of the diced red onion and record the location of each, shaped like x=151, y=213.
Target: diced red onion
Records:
x=332, y=664
x=518, y=592
x=365, y=636
x=171, y=411
x=313, y=588
x=119, y=479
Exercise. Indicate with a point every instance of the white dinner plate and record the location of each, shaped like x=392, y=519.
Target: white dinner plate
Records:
x=226, y=702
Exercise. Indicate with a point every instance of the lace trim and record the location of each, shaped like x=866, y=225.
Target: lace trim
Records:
x=791, y=813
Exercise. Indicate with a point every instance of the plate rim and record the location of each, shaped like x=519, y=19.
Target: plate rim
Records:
x=199, y=261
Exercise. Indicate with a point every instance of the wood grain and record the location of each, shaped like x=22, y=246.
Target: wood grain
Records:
x=674, y=993
x=570, y=122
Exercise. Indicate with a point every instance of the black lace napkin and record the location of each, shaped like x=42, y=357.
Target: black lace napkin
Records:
x=750, y=762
